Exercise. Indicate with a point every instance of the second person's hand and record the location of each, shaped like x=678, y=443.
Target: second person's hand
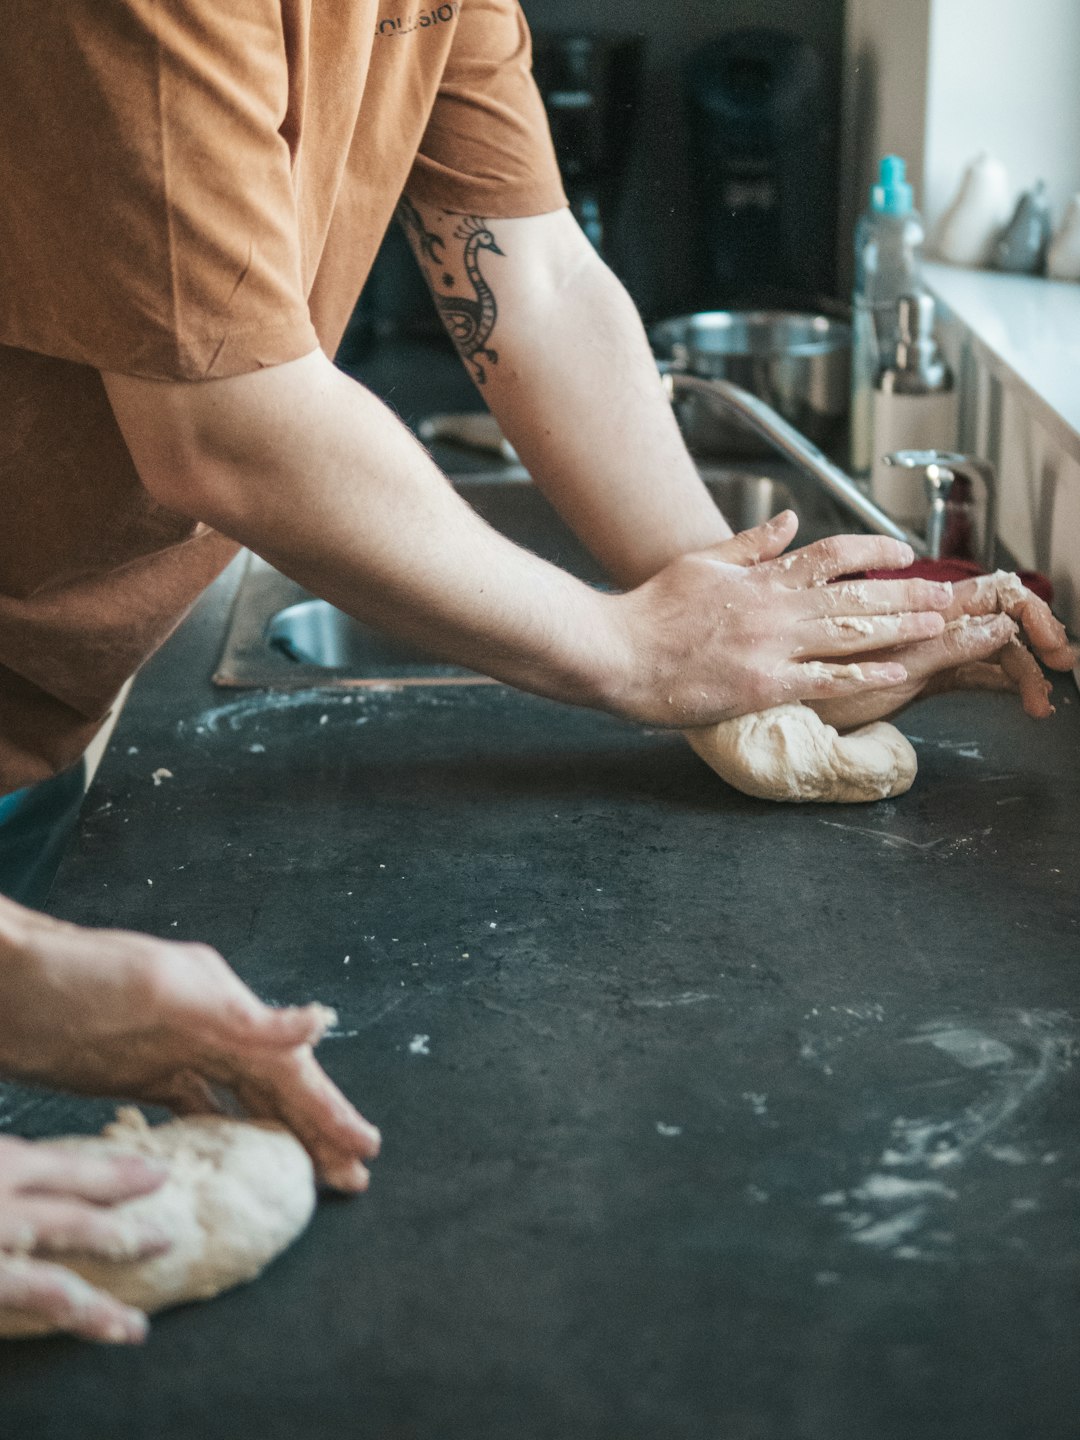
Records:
x=110, y=1012
x=56, y=1202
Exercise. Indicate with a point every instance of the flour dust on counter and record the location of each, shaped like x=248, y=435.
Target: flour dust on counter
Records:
x=995, y=1069
x=236, y=1195
x=236, y=714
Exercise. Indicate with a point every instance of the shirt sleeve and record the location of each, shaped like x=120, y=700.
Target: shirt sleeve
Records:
x=147, y=216
x=487, y=149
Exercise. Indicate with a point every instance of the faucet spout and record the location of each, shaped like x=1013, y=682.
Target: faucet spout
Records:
x=787, y=441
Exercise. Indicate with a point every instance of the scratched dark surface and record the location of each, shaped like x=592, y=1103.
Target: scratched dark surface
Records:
x=736, y=1120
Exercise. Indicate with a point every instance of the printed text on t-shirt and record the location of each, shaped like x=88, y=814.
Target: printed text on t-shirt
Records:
x=419, y=19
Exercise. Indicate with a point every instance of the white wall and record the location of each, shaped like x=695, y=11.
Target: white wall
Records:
x=1005, y=77
x=939, y=80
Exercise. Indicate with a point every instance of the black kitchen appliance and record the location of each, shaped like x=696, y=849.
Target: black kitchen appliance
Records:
x=591, y=86
x=762, y=169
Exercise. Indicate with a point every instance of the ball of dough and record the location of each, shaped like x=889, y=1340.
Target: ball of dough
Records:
x=789, y=753
x=237, y=1194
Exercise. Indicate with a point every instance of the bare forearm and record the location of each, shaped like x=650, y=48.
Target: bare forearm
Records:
x=17, y=926
x=575, y=388
x=578, y=395
x=592, y=424
x=308, y=469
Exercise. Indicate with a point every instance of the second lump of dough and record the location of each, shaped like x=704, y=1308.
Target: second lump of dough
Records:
x=236, y=1195
x=789, y=753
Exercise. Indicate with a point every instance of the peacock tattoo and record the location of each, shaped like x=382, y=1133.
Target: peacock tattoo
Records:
x=470, y=319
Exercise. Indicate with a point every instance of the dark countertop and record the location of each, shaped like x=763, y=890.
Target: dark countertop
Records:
x=731, y=1120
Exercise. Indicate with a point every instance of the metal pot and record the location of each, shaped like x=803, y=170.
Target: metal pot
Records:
x=800, y=364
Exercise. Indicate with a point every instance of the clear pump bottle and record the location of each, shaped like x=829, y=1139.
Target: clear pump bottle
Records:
x=914, y=409
x=888, y=264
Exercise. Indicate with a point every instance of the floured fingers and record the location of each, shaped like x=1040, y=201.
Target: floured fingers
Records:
x=974, y=640
x=296, y=1092
x=982, y=652
x=857, y=634
x=885, y=597
x=53, y=1168
x=1020, y=665
x=54, y=1226
x=827, y=560
x=962, y=642
x=1004, y=592
x=820, y=680
x=57, y=1298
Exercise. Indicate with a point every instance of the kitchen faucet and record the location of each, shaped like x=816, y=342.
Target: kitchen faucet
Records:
x=787, y=441
x=960, y=489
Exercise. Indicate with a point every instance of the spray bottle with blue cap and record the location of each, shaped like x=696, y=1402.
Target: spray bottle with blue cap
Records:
x=888, y=264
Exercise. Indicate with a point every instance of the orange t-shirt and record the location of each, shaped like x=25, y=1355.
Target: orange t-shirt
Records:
x=193, y=190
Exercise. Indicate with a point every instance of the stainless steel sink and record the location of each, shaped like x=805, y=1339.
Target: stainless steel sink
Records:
x=282, y=637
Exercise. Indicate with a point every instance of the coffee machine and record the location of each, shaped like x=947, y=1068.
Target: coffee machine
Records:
x=591, y=85
x=762, y=169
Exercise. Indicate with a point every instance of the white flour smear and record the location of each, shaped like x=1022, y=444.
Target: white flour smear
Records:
x=238, y=713
x=904, y=1199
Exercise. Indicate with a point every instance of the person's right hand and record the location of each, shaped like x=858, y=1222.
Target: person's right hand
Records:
x=55, y=1201
x=742, y=627
x=109, y=1012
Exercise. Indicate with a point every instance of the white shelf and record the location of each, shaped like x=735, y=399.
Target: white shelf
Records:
x=1028, y=332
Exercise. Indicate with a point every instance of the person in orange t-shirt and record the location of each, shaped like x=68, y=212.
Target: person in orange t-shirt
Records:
x=191, y=196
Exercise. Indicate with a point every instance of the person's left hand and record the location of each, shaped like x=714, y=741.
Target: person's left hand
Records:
x=110, y=1012
x=985, y=646
x=56, y=1201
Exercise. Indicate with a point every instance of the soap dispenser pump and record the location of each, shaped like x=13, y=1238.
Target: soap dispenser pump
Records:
x=915, y=408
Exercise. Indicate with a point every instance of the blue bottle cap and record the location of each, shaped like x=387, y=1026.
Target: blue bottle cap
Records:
x=892, y=195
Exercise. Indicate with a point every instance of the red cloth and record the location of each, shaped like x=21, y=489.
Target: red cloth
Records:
x=954, y=570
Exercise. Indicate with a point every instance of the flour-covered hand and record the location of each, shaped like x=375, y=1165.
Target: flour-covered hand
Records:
x=743, y=627
x=109, y=1012
x=997, y=631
